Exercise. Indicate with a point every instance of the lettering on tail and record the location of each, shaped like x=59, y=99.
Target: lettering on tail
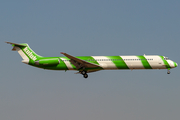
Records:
x=30, y=54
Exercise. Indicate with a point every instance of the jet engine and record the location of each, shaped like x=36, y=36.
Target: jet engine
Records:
x=48, y=62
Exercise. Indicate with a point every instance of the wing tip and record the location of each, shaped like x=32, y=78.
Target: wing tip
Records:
x=7, y=42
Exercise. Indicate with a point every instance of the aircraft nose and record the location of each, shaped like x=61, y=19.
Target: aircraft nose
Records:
x=175, y=64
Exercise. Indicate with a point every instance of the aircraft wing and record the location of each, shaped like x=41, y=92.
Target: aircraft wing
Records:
x=80, y=63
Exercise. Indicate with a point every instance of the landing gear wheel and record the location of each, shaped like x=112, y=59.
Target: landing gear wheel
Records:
x=83, y=72
x=85, y=75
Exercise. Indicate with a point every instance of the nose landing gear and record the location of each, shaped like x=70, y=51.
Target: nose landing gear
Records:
x=168, y=72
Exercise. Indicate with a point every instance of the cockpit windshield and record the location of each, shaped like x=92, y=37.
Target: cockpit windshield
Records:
x=166, y=58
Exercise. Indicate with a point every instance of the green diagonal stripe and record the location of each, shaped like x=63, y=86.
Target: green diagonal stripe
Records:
x=165, y=62
x=144, y=62
x=63, y=63
x=118, y=61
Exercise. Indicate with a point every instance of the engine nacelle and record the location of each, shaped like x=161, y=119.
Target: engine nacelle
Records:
x=48, y=62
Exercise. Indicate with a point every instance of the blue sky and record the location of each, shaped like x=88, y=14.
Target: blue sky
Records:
x=89, y=27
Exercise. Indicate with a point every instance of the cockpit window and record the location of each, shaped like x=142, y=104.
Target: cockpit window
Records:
x=166, y=58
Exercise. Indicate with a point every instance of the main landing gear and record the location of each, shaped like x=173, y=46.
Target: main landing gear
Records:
x=84, y=73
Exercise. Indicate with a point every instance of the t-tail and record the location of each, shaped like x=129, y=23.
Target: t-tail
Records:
x=28, y=55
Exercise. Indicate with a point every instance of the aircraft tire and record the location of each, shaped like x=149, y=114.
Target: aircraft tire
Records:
x=85, y=75
x=83, y=72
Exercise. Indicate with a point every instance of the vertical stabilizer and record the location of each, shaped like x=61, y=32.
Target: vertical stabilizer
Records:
x=27, y=54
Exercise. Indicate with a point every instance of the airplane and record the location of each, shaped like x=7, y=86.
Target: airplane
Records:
x=88, y=64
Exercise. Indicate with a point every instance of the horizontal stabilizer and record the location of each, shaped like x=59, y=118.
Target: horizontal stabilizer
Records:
x=15, y=44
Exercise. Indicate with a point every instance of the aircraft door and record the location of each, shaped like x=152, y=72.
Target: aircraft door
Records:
x=160, y=62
